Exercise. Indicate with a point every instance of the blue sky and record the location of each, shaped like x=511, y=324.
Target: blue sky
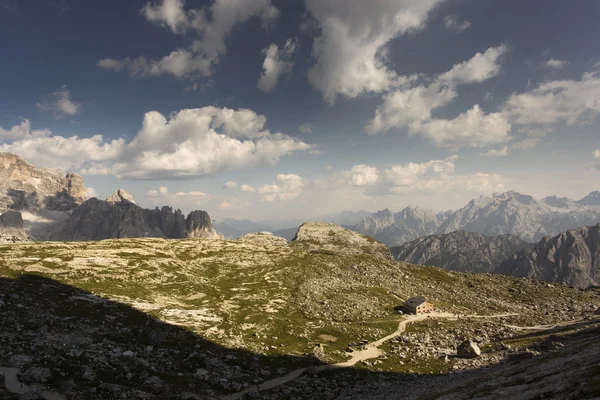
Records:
x=309, y=107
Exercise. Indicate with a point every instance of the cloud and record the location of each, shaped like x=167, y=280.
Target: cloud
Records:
x=455, y=24
x=473, y=128
x=248, y=189
x=60, y=104
x=180, y=200
x=430, y=177
x=479, y=68
x=233, y=204
x=556, y=64
x=307, y=128
x=212, y=25
x=189, y=143
x=161, y=192
x=402, y=107
x=596, y=155
x=91, y=192
x=501, y=152
x=285, y=187
x=351, y=53
x=277, y=63
x=358, y=175
x=573, y=102
x=22, y=131
x=414, y=105
x=230, y=185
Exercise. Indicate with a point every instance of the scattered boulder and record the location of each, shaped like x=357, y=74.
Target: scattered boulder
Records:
x=468, y=349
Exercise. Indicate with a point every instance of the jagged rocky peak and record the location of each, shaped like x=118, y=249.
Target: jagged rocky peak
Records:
x=324, y=236
x=119, y=195
x=460, y=251
x=25, y=187
x=592, y=199
x=198, y=224
x=571, y=257
x=558, y=202
x=514, y=195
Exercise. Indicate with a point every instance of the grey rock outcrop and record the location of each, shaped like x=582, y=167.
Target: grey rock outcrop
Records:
x=468, y=349
x=320, y=236
x=11, y=228
x=120, y=195
x=96, y=220
x=460, y=251
x=571, y=257
x=25, y=187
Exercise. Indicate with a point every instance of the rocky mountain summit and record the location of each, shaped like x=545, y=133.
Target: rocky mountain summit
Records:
x=120, y=217
x=25, y=187
x=397, y=228
x=571, y=257
x=460, y=251
x=506, y=213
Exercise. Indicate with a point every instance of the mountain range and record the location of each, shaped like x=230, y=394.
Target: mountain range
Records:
x=46, y=204
x=506, y=213
x=460, y=251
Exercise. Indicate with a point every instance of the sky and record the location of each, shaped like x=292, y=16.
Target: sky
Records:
x=285, y=109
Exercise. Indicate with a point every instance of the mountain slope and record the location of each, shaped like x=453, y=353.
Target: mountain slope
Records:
x=460, y=251
x=397, y=228
x=572, y=257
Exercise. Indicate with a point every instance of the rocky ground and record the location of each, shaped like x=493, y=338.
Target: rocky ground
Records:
x=200, y=318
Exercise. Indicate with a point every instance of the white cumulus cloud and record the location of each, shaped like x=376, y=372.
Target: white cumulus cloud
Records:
x=60, y=104
x=351, y=50
x=211, y=24
x=454, y=23
x=189, y=143
x=277, y=63
x=285, y=187
x=556, y=64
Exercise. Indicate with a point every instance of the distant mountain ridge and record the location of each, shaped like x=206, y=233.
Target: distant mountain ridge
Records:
x=505, y=213
x=460, y=251
x=571, y=257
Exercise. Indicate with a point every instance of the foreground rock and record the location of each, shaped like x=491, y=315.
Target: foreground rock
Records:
x=572, y=257
x=25, y=187
x=468, y=349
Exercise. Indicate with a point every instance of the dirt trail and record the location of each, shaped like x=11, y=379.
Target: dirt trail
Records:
x=369, y=351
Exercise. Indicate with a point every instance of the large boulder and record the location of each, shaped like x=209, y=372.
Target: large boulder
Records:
x=468, y=349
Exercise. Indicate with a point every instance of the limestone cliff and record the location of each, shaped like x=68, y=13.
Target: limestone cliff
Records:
x=25, y=187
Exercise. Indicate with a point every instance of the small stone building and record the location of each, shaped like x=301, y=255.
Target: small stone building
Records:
x=417, y=305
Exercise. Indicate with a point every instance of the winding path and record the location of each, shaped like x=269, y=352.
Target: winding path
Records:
x=369, y=351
